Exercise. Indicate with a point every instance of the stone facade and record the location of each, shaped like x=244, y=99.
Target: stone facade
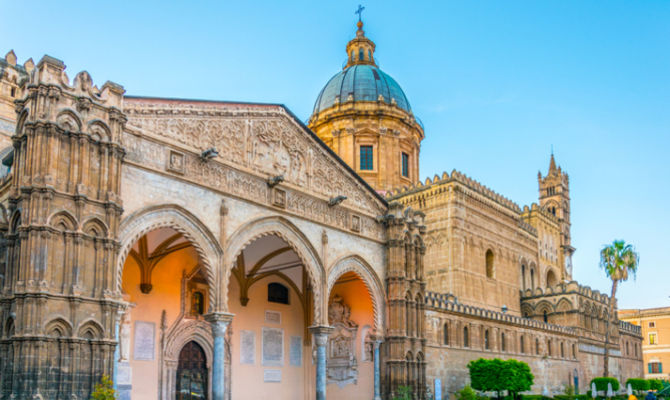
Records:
x=136, y=228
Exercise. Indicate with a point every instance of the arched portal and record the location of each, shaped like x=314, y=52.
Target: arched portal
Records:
x=271, y=295
x=350, y=357
x=168, y=291
x=192, y=373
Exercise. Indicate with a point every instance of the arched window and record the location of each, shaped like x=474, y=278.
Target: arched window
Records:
x=360, y=54
x=521, y=345
x=369, y=55
x=627, y=350
x=549, y=347
x=523, y=277
x=277, y=293
x=574, y=352
x=466, y=337
x=503, y=346
x=537, y=346
x=352, y=55
x=551, y=279
x=562, y=351
x=489, y=264
x=532, y=278
x=445, y=334
x=197, y=303
x=486, y=339
x=544, y=316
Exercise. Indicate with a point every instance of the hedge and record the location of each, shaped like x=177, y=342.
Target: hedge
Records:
x=601, y=383
x=655, y=384
x=638, y=384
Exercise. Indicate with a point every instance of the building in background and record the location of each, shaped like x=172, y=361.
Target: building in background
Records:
x=655, y=325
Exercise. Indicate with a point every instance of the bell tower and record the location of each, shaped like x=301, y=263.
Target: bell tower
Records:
x=554, y=193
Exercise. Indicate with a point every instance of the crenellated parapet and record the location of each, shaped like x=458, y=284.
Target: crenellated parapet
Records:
x=447, y=302
x=459, y=177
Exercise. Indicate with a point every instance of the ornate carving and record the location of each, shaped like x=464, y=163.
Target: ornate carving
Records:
x=263, y=139
x=342, y=367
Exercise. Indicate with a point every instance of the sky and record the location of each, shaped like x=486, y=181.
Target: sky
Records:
x=496, y=84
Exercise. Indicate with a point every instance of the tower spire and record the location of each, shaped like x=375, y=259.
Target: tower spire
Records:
x=552, y=164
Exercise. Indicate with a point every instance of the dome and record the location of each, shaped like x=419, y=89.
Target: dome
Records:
x=364, y=83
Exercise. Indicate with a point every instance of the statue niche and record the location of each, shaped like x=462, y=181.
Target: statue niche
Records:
x=341, y=365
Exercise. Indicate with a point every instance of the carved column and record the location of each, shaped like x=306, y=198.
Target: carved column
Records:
x=378, y=392
x=219, y=322
x=321, y=339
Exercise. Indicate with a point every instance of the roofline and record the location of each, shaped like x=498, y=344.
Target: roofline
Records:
x=295, y=119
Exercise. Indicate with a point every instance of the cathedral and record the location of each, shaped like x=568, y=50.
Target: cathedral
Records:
x=193, y=249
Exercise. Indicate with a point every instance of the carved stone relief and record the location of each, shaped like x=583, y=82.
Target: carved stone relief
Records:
x=265, y=140
x=342, y=367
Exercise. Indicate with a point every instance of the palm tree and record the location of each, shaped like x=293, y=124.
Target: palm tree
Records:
x=618, y=260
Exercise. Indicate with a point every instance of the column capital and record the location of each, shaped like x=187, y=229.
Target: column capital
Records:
x=321, y=333
x=219, y=322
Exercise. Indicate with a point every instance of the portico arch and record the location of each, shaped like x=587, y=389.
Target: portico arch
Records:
x=372, y=282
x=145, y=220
x=288, y=232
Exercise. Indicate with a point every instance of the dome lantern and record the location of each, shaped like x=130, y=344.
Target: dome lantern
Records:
x=360, y=50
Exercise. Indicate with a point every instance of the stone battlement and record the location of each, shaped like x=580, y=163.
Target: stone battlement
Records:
x=566, y=288
x=461, y=178
x=440, y=301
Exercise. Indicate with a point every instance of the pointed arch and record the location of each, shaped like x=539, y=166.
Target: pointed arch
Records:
x=100, y=129
x=286, y=230
x=357, y=265
x=90, y=329
x=145, y=220
x=63, y=220
x=58, y=327
x=69, y=120
x=95, y=227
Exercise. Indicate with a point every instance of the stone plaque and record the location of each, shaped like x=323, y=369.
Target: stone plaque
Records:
x=273, y=347
x=247, y=347
x=273, y=317
x=124, y=373
x=295, y=351
x=144, y=340
x=271, y=375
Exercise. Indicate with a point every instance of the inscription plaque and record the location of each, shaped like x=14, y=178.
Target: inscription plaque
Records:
x=295, y=351
x=271, y=375
x=273, y=317
x=247, y=347
x=273, y=347
x=144, y=341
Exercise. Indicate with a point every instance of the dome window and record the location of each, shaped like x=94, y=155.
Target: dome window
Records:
x=405, y=165
x=360, y=54
x=366, y=158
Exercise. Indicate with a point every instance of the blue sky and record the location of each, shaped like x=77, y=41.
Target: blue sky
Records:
x=496, y=83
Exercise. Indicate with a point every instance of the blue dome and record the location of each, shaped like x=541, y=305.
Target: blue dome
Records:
x=365, y=83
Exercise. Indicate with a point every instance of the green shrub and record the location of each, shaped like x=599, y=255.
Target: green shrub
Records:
x=655, y=384
x=103, y=390
x=638, y=384
x=404, y=393
x=601, y=383
x=498, y=376
x=467, y=393
x=534, y=397
x=571, y=397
